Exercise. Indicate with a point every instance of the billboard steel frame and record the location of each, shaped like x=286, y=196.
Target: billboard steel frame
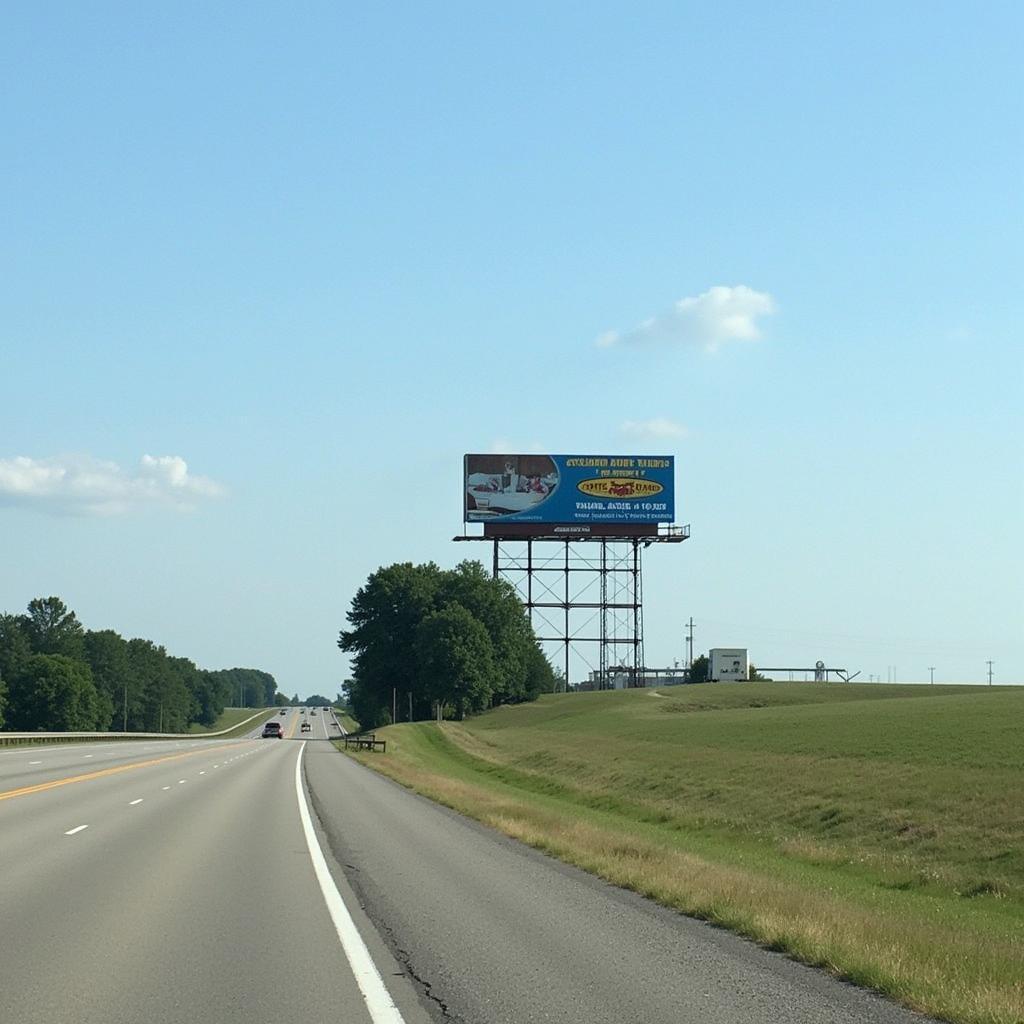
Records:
x=561, y=579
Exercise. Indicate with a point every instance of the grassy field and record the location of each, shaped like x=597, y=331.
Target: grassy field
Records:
x=235, y=717
x=877, y=831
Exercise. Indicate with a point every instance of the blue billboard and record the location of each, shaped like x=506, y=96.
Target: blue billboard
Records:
x=609, y=489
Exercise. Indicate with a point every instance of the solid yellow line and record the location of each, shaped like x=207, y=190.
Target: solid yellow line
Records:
x=9, y=794
x=295, y=722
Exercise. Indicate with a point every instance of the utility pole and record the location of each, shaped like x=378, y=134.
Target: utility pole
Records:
x=989, y=663
x=931, y=669
x=125, y=726
x=689, y=644
x=394, y=703
x=410, y=705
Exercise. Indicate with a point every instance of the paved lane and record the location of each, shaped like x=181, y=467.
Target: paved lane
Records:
x=26, y=767
x=497, y=933
x=182, y=891
x=34, y=764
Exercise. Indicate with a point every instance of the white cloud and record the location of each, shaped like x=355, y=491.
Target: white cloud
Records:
x=719, y=315
x=82, y=485
x=659, y=428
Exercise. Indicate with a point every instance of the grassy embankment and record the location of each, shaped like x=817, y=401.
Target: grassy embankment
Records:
x=348, y=723
x=876, y=831
x=238, y=720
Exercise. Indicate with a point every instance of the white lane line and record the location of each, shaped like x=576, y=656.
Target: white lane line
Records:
x=88, y=755
x=132, y=803
x=378, y=1001
x=181, y=782
x=35, y=762
x=72, y=831
x=165, y=787
x=202, y=773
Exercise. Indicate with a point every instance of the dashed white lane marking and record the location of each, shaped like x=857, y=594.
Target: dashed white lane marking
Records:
x=35, y=762
x=88, y=755
x=181, y=782
x=72, y=831
x=132, y=803
x=165, y=787
x=375, y=994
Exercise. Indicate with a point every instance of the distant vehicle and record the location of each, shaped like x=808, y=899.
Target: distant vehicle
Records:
x=273, y=729
x=305, y=727
x=313, y=712
x=284, y=712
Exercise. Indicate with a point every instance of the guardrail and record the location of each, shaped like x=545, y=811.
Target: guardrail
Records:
x=9, y=738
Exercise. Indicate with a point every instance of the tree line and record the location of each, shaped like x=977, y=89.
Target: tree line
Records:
x=422, y=636
x=57, y=675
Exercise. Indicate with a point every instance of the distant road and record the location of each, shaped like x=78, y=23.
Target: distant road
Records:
x=174, y=882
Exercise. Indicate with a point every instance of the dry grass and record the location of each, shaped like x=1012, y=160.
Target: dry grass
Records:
x=884, y=885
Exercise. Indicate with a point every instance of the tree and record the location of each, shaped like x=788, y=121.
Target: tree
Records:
x=15, y=651
x=540, y=676
x=394, y=651
x=384, y=617
x=699, y=669
x=249, y=686
x=55, y=693
x=52, y=628
x=106, y=654
x=754, y=676
x=457, y=659
x=96, y=674
x=494, y=604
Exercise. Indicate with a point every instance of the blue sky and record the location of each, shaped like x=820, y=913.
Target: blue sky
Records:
x=304, y=256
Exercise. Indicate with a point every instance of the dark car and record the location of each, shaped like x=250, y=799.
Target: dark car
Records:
x=306, y=726
x=273, y=729
x=284, y=712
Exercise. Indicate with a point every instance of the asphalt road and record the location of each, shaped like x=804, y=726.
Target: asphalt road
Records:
x=184, y=885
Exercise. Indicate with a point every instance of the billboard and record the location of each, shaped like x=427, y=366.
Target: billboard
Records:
x=569, y=489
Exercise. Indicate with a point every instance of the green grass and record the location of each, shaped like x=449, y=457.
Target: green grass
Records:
x=348, y=723
x=235, y=719
x=874, y=830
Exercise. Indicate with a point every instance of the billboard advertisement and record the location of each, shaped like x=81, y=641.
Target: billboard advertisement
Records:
x=569, y=489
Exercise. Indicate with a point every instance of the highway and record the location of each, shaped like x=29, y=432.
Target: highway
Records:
x=216, y=881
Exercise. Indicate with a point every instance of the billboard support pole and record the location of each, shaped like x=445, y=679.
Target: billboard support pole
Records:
x=566, y=606
x=602, y=669
x=564, y=590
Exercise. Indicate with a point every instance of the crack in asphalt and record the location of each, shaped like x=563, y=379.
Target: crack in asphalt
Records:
x=423, y=985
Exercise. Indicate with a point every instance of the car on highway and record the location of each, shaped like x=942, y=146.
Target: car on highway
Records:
x=284, y=712
x=306, y=726
x=273, y=729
